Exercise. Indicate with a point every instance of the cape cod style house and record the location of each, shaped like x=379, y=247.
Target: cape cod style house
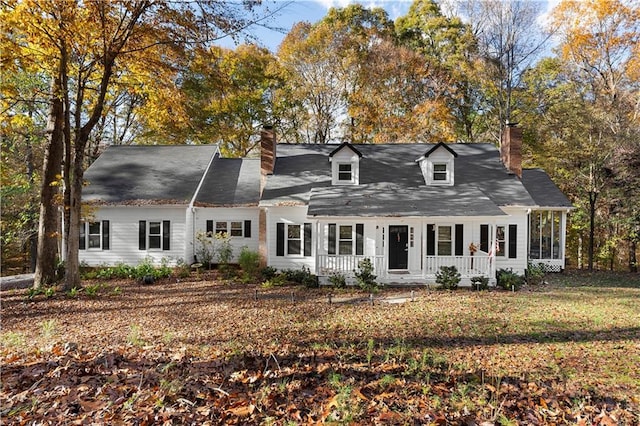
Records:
x=409, y=208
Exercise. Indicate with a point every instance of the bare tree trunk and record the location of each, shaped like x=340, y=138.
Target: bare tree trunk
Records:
x=633, y=260
x=593, y=197
x=48, y=224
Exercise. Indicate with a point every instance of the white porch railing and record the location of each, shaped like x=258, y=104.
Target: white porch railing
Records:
x=327, y=264
x=481, y=264
x=468, y=266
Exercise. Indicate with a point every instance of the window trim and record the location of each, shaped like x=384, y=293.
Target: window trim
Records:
x=350, y=240
x=144, y=235
x=103, y=235
x=288, y=240
x=211, y=225
x=158, y=235
x=450, y=240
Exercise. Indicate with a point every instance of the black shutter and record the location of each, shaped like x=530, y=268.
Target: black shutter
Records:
x=82, y=243
x=484, y=238
x=431, y=240
x=247, y=229
x=513, y=238
x=307, y=238
x=331, y=249
x=209, y=227
x=142, y=235
x=359, y=239
x=166, y=235
x=459, y=239
x=280, y=239
x=105, y=235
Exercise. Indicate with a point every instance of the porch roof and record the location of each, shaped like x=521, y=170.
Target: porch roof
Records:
x=542, y=189
x=387, y=200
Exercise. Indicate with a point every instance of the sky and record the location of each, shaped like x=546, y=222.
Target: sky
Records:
x=287, y=13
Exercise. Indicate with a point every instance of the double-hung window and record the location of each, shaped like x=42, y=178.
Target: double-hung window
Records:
x=440, y=173
x=444, y=240
x=94, y=235
x=154, y=235
x=345, y=239
x=345, y=172
x=345, y=244
x=293, y=239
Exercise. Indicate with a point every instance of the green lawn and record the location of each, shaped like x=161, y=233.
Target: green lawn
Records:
x=205, y=351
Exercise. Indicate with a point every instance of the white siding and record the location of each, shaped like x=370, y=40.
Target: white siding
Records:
x=124, y=223
x=289, y=215
x=517, y=216
x=227, y=214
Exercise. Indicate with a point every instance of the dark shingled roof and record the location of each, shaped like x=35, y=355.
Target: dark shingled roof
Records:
x=147, y=174
x=544, y=192
x=231, y=181
x=390, y=175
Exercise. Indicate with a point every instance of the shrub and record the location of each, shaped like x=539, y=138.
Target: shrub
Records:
x=249, y=261
x=337, y=280
x=204, y=248
x=534, y=274
x=268, y=272
x=275, y=281
x=364, y=275
x=507, y=279
x=182, y=269
x=479, y=283
x=448, y=277
x=301, y=276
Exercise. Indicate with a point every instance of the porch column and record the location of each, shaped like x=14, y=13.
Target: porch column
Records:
x=563, y=237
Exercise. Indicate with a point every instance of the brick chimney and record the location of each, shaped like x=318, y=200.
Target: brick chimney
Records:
x=267, y=150
x=511, y=148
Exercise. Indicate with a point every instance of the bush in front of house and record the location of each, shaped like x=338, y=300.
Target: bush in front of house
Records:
x=337, y=280
x=509, y=280
x=301, y=276
x=448, y=277
x=249, y=261
x=534, y=274
x=479, y=283
x=364, y=275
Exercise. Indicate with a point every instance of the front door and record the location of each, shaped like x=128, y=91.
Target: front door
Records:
x=398, y=247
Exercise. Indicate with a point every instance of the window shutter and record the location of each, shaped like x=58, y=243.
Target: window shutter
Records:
x=210, y=227
x=359, y=239
x=166, y=235
x=431, y=240
x=484, y=238
x=332, y=239
x=142, y=235
x=105, y=235
x=307, y=238
x=513, y=238
x=459, y=239
x=247, y=229
x=82, y=244
x=280, y=239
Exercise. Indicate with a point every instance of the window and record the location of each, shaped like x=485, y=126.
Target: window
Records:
x=221, y=227
x=349, y=239
x=345, y=245
x=440, y=172
x=444, y=241
x=233, y=229
x=94, y=235
x=236, y=229
x=500, y=241
x=344, y=173
x=154, y=235
x=293, y=239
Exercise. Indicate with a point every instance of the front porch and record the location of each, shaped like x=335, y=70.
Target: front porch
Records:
x=479, y=264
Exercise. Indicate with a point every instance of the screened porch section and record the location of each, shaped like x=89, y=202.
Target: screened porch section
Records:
x=546, y=238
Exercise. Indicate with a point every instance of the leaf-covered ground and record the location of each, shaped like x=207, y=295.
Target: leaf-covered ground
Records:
x=203, y=352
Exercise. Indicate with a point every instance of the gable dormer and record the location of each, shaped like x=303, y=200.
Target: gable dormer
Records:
x=437, y=165
x=345, y=165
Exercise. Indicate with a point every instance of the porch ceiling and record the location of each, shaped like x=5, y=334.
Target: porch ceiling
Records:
x=385, y=200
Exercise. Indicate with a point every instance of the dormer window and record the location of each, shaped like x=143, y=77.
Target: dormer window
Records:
x=345, y=165
x=345, y=173
x=440, y=172
x=437, y=165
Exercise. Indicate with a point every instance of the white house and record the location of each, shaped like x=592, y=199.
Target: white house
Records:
x=409, y=208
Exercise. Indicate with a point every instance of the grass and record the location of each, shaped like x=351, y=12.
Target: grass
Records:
x=572, y=346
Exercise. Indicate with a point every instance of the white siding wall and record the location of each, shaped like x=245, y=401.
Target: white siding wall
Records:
x=289, y=215
x=124, y=223
x=517, y=216
x=227, y=214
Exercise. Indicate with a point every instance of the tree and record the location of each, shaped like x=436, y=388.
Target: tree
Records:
x=85, y=47
x=598, y=41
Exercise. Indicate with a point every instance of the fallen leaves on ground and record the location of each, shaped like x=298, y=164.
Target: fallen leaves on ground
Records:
x=205, y=353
